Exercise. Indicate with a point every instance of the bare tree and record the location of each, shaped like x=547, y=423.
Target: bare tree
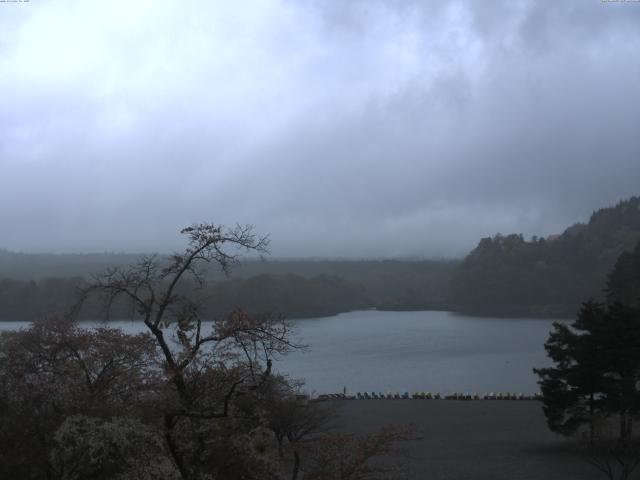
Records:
x=187, y=399
x=207, y=368
x=367, y=457
x=295, y=421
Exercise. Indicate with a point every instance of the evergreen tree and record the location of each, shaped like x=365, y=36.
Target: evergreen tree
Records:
x=597, y=369
x=620, y=346
x=572, y=391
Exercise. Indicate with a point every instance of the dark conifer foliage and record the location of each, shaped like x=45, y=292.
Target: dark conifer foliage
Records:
x=597, y=361
x=572, y=390
x=623, y=284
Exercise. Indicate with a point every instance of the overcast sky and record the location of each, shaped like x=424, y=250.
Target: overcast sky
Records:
x=341, y=128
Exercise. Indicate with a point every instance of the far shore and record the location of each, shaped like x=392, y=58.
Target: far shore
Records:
x=541, y=312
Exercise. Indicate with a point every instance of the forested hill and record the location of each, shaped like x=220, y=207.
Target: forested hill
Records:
x=512, y=276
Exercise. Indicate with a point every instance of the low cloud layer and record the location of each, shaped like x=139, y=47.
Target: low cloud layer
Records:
x=361, y=128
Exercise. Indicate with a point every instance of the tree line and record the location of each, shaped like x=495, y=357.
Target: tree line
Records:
x=320, y=288
x=291, y=295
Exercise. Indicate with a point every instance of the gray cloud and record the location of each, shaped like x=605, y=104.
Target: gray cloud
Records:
x=342, y=128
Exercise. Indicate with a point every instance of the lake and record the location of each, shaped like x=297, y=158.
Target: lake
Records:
x=410, y=351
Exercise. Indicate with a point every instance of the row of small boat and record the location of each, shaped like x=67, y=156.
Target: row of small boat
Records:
x=431, y=396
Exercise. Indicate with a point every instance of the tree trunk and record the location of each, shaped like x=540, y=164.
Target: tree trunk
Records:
x=624, y=433
x=296, y=465
x=591, y=421
x=173, y=449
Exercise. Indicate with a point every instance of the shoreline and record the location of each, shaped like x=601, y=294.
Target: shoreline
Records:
x=534, y=312
x=429, y=396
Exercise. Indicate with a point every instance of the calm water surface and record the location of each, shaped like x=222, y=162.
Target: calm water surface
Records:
x=410, y=351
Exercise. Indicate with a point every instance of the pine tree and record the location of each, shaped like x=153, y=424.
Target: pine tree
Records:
x=597, y=361
x=572, y=390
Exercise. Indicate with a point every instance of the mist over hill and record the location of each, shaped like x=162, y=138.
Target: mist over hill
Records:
x=37, y=285
x=503, y=275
